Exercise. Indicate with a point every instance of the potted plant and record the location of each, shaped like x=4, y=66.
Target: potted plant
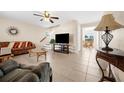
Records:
x=52, y=41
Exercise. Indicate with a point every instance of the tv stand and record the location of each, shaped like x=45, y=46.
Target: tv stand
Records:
x=61, y=47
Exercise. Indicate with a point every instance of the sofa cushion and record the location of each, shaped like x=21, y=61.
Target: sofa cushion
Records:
x=14, y=75
x=29, y=77
x=8, y=66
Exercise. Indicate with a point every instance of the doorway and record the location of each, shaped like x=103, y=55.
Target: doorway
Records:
x=90, y=38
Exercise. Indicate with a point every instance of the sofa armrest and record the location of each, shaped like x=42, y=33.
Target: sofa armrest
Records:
x=40, y=68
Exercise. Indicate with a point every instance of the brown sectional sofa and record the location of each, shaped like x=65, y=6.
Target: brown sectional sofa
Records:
x=18, y=47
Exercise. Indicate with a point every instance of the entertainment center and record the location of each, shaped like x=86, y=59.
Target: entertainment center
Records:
x=62, y=48
x=61, y=43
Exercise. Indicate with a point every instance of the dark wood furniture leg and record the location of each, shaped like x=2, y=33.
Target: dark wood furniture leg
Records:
x=110, y=77
x=51, y=78
x=115, y=58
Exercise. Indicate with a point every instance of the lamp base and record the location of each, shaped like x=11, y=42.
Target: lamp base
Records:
x=107, y=49
x=107, y=37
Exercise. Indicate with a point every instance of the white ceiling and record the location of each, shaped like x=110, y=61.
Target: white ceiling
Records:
x=27, y=16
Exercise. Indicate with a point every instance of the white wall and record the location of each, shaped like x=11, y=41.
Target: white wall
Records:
x=118, y=41
x=27, y=32
x=79, y=38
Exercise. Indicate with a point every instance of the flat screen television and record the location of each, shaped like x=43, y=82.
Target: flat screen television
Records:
x=62, y=38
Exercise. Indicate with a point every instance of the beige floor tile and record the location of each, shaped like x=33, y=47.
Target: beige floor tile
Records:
x=93, y=64
x=92, y=78
x=60, y=78
x=73, y=67
x=77, y=76
x=94, y=71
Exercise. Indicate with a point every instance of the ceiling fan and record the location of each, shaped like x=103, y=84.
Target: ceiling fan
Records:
x=46, y=16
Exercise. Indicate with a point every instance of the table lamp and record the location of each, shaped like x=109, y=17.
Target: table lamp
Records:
x=108, y=24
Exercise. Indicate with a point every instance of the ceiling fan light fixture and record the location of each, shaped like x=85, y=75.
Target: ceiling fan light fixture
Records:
x=46, y=19
x=46, y=14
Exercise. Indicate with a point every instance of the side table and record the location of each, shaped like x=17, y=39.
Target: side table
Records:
x=115, y=58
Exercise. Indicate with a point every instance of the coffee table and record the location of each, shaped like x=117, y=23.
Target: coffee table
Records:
x=38, y=53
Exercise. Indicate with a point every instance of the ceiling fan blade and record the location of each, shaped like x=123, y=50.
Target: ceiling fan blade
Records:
x=54, y=17
x=38, y=15
x=51, y=21
x=41, y=19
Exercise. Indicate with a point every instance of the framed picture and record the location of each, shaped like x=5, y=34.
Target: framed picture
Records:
x=13, y=31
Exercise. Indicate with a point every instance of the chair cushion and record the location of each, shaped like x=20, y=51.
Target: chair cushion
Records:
x=8, y=66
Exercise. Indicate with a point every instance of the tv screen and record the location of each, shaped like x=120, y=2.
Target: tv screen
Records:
x=62, y=38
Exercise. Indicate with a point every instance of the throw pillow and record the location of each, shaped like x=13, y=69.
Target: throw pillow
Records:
x=8, y=66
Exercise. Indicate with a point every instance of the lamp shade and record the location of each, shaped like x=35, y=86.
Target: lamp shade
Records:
x=109, y=22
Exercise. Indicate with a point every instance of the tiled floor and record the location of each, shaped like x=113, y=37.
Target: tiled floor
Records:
x=80, y=67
